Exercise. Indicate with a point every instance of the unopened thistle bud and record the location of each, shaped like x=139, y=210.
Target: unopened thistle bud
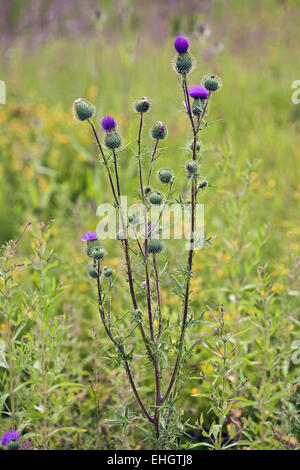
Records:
x=93, y=271
x=212, y=82
x=203, y=184
x=108, y=272
x=156, y=198
x=198, y=145
x=97, y=253
x=165, y=175
x=138, y=316
x=121, y=235
x=159, y=131
x=191, y=167
x=155, y=245
x=83, y=109
x=133, y=219
x=142, y=105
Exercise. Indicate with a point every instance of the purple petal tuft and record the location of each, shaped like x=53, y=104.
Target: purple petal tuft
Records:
x=8, y=436
x=108, y=123
x=181, y=44
x=198, y=91
x=86, y=237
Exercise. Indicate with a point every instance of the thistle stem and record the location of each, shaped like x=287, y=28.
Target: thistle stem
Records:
x=152, y=160
x=120, y=349
x=158, y=297
x=104, y=160
x=191, y=249
x=139, y=158
x=127, y=259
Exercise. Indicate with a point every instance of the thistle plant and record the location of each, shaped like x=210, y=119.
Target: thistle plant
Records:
x=147, y=309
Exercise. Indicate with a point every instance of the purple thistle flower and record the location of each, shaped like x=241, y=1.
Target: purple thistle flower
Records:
x=89, y=236
x=181, y=44
x=198, y=91
x=9, y=436
x=108, y=123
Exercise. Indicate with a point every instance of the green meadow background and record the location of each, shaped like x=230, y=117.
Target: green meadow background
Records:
x=111, y=53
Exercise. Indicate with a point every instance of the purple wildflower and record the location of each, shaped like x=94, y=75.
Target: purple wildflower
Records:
x=181, y=44
x=9, y=436
x=108, y=123
x=87, y=237
x=198, y=91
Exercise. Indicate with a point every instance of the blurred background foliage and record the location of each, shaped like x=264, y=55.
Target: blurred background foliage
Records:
x=112, y=52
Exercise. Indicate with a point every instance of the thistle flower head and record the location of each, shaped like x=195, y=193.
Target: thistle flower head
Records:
x=108, y=123
x=83, y=109
x=89, y=236
x=198, y=91
x=9, y=436
x=181, y=44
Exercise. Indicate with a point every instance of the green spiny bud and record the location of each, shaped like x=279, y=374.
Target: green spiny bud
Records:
x=159, y=130
x=156, y=198
x=212, y=82
x=198, y=106
x=165, y=175
x=97, y=253
x=191, y=167
x=203, y=184
x=137, y=316
x=93, y=271
x=133, y=219
x=184, y=63
x=121, y=235
x=91, y=245
x=155, y=246
x=83, y=109
x=108, y=272
x=142, y=105
x=198, y=145
x=13, y=445
x=113, y=139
